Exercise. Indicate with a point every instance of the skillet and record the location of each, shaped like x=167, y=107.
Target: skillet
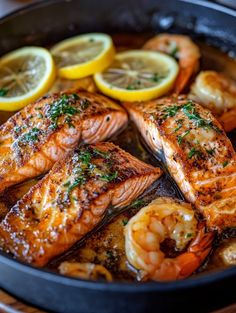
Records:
x=46, y=22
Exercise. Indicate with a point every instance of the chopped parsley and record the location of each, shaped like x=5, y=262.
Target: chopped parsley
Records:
x=137, y=203
x=85, y=157
x=190, y=111
x=30, y=136
x=171, y=111
x=101, y=153
x=3, y=92
x=224, y=164
x=173, y=49
x=188, y=235
x=64, y=106
x=109, y=177
x=125, y=222
x=40, y=115
x=17, y=129
x=84, y=169
x=181, y=137
x=210, y=151
x=78, y=181
x=157, y=77
x=130, y=87
x=174, y=52
x=193, y=152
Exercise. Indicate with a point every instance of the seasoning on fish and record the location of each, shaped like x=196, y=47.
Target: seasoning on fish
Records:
x=197, y=151
x=35, y=138
x=73, y=198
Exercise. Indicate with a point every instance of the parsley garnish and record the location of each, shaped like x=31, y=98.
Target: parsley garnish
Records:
x=3, y=92
x=63, y=106
x=101, y=153
x=190, y=111
x=109, y=177
x=125, y=222
x=171, y=111
x=210, y=151
x=157, y=77
x=189, y=235
x=137, y=203
x=193, y=152
x=31, y=136
x=224, y=164
x=78, y=181
x=181, y=137
x=85, y=157
x=130, y=87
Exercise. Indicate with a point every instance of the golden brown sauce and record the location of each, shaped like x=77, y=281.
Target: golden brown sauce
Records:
x=106, y=245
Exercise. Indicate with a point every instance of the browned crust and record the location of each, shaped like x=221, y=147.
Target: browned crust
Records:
x=18, y=228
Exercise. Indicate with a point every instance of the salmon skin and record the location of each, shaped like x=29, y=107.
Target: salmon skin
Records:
x=197, y=152
x=33, y=139
x=69, y=201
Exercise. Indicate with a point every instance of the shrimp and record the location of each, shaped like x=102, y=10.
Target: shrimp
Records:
x=217, y=93
x=182, y=48
x=85, y=270
x=166, y=218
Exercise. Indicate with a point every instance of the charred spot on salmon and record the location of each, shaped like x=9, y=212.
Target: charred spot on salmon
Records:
x=84, y=104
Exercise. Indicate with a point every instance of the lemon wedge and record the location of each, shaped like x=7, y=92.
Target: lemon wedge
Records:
x=138, y=76
x=83, y=55
x=25, y=75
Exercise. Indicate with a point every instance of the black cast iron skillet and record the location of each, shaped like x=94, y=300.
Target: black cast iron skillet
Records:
x=49, y=21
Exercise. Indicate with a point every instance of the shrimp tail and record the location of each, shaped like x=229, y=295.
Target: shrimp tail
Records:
x=228, y=120
x=197, y=252
x=184, y=76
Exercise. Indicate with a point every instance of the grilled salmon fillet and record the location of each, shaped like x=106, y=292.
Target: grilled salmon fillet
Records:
x=33, y=139
x=197, y=152
x=71, y=199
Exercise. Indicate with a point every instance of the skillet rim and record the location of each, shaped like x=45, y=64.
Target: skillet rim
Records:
x=43, y=3
x=130, y=287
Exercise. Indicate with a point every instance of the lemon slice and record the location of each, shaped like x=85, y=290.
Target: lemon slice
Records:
x=83, y=55
x=138, y=75
x=25, y=75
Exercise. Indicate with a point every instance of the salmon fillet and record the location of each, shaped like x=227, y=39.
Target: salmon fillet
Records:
x=197, y=152
x=36, y=137
x=69, y=201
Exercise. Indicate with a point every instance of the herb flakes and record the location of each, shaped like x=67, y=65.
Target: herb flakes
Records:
x=3, y=92
x=193, y=152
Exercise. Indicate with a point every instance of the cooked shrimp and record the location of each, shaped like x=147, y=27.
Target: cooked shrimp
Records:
x=85, y=270
x=182, y=48
x=228, y=120
x=166, y=218
x=217, y=93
